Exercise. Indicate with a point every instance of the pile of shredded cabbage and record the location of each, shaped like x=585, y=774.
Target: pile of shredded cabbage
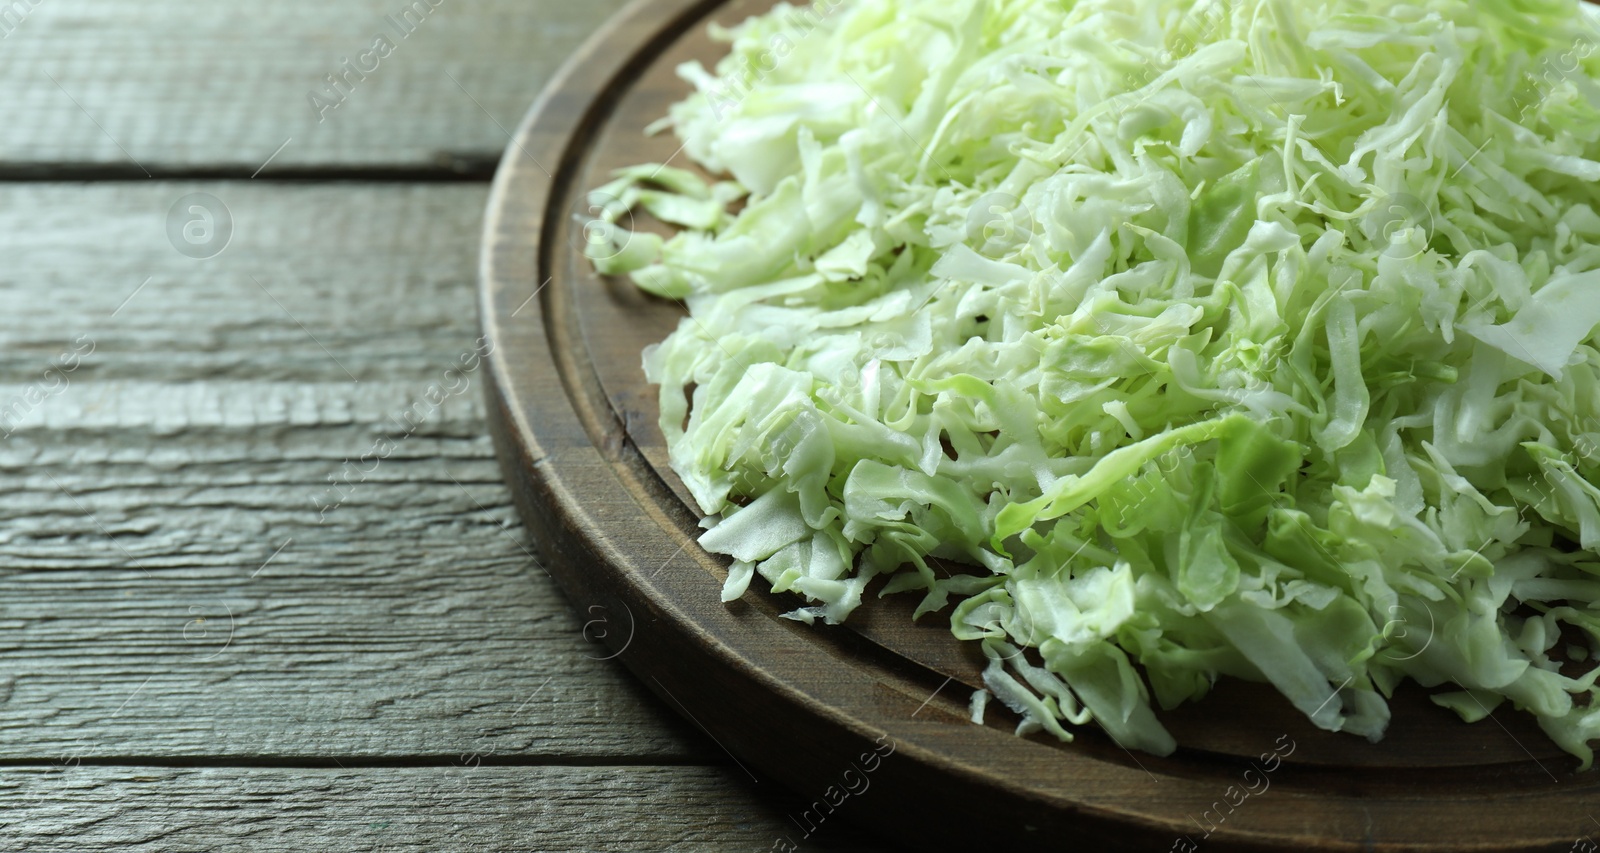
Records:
x=1154, y=341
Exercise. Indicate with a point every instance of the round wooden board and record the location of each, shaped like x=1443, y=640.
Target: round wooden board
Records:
x=575, y=424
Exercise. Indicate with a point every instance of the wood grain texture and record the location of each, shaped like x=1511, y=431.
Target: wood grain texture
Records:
x=324, y=284
x=467, y=806
x=191, y=84
x=574, y=419
x=197, y=439
x=170, y=678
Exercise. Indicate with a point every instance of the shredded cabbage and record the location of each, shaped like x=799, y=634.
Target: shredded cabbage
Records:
x=1153, y=341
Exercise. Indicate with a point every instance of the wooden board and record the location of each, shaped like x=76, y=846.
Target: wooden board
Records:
x=574, y=421
x=472, y=804
x=127, y=88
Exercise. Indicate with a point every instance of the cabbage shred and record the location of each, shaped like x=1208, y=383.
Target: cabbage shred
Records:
x=1154, y=341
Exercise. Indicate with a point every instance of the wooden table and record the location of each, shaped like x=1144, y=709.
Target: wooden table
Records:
x=260, y=582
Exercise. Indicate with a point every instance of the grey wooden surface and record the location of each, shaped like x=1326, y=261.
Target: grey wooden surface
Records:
x=203, y=642
x=176, y=85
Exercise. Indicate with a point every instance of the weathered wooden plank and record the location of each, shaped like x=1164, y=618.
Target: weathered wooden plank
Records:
x=145, y=492
x=469, y=806
x=317, y=282
x=192, y=83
